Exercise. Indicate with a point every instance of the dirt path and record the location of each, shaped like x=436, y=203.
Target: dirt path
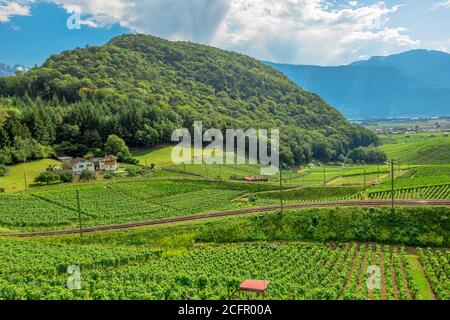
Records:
x=368, y=203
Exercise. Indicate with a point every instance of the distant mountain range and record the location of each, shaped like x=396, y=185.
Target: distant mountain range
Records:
x=413, y=83
x=6, y=71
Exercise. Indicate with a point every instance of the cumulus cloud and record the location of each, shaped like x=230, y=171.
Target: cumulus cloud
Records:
x=294, y=31
x=311, y=31
x=9, y=9
x=444, y=4
x=195, y=20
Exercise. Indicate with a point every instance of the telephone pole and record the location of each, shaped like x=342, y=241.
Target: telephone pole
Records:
x=79, y=213
x=392, y=186
x=324, y=176
x=281, y=192
x=365, y=177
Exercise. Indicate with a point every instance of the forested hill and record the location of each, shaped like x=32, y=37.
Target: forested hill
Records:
x=142, y=88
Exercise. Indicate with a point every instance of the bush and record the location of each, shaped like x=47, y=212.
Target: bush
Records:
x=87, y=175
x=109, y=176
x=47, y=177
x=3, y=170
x=65, y=176
x=135, y=172
x=367, y=155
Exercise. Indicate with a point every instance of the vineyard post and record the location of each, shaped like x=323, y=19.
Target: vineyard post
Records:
x=79, y=213
x=281, y=191
x=392, y=186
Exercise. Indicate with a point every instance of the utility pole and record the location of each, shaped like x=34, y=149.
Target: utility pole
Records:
x=365, y=182
x=392, y=186
x=25, y=179
x=378, y=173
x=281, y=192
x=79, y=213
x=324, y=176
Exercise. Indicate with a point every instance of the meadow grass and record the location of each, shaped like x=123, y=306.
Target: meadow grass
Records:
x=14, y=179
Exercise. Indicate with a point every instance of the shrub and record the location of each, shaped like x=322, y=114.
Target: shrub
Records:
x=87, y=175
x=47, y=177
x=3, y=170
x=65, y=176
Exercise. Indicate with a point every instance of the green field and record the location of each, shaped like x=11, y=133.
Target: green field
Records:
x=160, y=156
x=120, y=202
x=417, y=148
x=208, y=260
x=14, y=180
x=319, y=254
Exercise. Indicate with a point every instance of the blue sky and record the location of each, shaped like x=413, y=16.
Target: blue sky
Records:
x=323, y=32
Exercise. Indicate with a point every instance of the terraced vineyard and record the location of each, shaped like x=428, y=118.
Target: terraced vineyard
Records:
x=417, y=148
x=295, y=270
x=420, y=176
x=441, y=192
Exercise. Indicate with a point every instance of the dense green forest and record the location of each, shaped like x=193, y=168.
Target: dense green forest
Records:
x=141, y=88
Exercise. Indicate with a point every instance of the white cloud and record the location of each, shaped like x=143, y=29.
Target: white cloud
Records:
x=444, y=4
x=12, y=8
x=310, y=31
x=295, y=31
x=194, y=20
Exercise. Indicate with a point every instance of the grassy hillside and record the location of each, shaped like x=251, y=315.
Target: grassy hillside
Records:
x=417, y=148
x=14, y=179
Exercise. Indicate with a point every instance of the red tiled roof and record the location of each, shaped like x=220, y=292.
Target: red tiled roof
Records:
x=255, y=285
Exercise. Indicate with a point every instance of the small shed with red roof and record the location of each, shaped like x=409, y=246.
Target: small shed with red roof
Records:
x=254, y=286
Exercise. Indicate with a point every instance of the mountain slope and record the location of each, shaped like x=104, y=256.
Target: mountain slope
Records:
x=412, y=83
x=6, y=71
x=151, y=86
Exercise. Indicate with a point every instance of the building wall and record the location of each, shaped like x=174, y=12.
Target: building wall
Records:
x=80, y=167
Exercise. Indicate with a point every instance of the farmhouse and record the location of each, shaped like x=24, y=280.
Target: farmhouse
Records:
x=107, y=163
x=81, y=164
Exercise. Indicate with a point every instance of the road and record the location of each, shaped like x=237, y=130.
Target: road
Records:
x=368, y=203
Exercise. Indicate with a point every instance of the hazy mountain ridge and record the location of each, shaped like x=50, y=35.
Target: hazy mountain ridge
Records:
x=408, y=84
x=7, y=71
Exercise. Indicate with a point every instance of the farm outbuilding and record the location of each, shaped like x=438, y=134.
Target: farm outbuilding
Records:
x=254, y=286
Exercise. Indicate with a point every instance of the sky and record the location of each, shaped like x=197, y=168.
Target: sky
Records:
x=319, y=32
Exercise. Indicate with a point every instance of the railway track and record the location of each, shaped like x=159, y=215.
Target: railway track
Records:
x=368, y=203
